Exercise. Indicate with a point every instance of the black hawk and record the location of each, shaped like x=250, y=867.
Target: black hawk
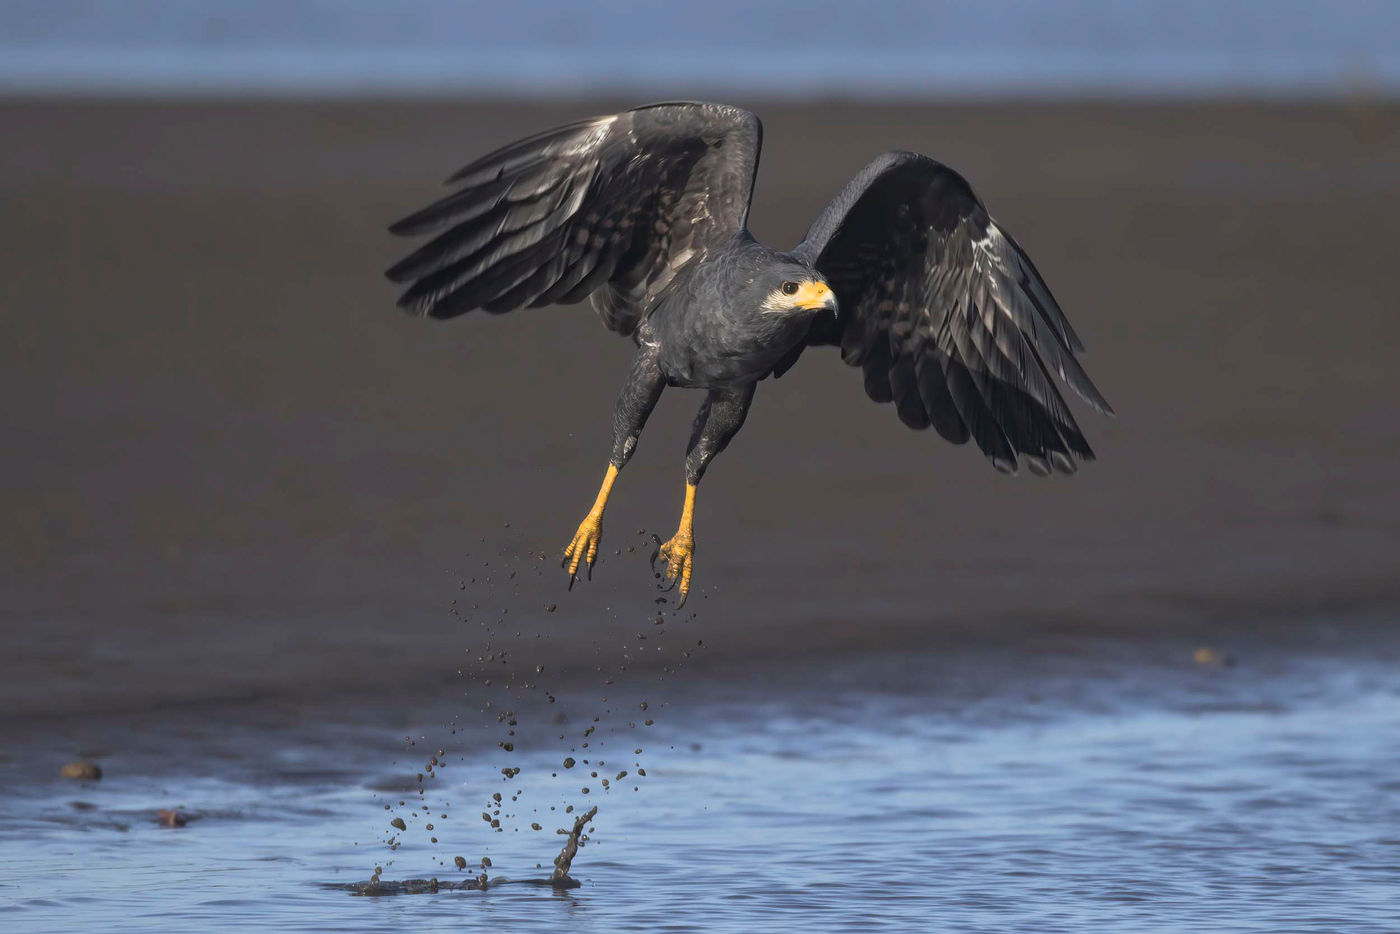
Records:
x=645, y=214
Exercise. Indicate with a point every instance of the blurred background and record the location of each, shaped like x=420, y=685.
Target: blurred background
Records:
x=224, y=440
x=782, y=48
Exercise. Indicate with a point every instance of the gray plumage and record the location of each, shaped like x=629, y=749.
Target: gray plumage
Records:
x=611, y=207
x=947, y=316
x=645, y=212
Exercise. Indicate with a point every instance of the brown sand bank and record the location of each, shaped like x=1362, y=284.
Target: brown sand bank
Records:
x=233, y=469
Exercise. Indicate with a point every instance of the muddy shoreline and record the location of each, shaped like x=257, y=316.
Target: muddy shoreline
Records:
x=238, y=473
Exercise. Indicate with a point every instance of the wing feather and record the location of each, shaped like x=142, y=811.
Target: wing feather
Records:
x=942, y=303
x=611, y=207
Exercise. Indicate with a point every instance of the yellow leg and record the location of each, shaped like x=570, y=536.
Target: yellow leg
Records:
x=584, y=546
x=679, y=552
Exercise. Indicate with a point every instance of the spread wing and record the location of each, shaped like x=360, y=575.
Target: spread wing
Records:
x=611, y=207
x=947, y=316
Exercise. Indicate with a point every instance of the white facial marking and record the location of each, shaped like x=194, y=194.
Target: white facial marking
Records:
x=811, y=295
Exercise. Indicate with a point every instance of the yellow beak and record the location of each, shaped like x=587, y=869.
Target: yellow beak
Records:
x=814, y=296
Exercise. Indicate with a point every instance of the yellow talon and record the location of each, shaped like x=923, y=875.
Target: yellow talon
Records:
x=679, y=552
x=583, y=548
x=679, y=555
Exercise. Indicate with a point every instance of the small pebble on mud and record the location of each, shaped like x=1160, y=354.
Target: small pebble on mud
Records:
x=398, y=822
x=460, y=862
x=171, y=818
x=83, y=771
x=1211, y=657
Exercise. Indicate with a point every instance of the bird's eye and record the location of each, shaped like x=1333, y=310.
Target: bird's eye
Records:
x=789, y=288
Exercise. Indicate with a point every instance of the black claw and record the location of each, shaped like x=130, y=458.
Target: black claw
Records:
x=684, y=597
x=657, y=553
x=590, y=570
x=572, y=578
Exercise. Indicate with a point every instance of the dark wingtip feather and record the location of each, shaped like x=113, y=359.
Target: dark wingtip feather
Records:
x=468, y=169
x=439, y=307
x=1077, y=380
x=411, y=307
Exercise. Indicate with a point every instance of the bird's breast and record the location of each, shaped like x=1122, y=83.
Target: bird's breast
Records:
x=713, y=348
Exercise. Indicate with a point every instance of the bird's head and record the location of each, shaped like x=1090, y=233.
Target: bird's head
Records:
x=794, y=289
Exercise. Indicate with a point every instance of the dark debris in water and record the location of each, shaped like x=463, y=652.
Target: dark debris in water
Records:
x=576, y=839
x=173, y=817
x=558, y=879
x=431, y=886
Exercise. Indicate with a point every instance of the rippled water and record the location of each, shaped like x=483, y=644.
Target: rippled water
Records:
x=1072, y=784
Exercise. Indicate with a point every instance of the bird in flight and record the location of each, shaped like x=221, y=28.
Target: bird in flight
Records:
x=645, y=213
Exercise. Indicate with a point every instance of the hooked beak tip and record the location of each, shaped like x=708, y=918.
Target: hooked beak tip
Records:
x=819, y=297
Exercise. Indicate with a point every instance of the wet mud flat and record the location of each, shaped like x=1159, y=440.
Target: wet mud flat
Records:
x=232, y=446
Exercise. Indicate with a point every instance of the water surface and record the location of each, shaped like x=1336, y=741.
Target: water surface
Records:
x=1070, y=783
